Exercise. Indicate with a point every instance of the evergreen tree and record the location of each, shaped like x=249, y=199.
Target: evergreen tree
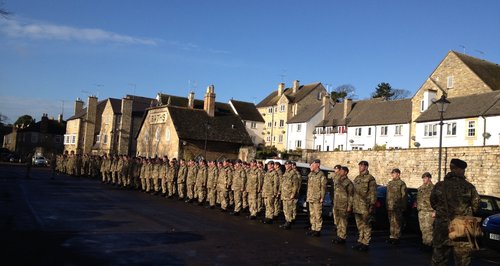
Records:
x=383, y=90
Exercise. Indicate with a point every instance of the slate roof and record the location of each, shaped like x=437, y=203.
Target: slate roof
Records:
x=83, y=112
x=380, y=112
x=247, y=111
x=301, y=93
x=336, y=116
x=53, y=127
x=487, y=71
x=190, y=124
x=178, y=101
x=487, y=104
x=305, y=115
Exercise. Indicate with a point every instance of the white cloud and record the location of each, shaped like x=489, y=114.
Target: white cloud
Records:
x=41, y=30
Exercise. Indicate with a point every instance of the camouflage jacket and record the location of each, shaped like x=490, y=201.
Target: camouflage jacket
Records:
x=424, y=198
x=239, y=180
x=253, y=181
x=365, y=193
x=201, y=177
x=316, y=187
x=224, y=179
x=269, y=187
x=396, y=195
x=213, y=174
x=344, y=193
x=290, y=184
x=181, y=175
x=191, y=175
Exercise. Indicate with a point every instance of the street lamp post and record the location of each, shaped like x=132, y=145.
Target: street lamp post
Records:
x=442, y=105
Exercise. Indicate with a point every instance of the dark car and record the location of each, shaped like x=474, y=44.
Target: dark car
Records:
x=491, y=231
x=380, y=219
x=489, y=205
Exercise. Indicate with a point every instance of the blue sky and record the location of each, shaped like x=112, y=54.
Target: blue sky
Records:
x=54, y=51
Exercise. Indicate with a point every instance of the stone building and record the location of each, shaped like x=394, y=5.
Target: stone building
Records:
x=283, y=104
x=44, y=137
x=193, y=129
x=251, y=118
x=456, y=75
x=107, y=126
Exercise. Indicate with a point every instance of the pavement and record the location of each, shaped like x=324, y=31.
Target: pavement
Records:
x=80, y=221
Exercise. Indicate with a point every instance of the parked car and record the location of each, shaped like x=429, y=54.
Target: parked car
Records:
x=40, y=161
x=489, y=205
x=491, y=231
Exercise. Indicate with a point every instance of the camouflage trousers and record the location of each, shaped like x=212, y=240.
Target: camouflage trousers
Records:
x=425, y=221
x=202, y=193
x=315, y=215
x=211, y=196
x=340, y=219
x=252, y=204
x=238, y=200
x=395, y=222
x=156, y=184
x=260, y=202
x=170, y=188
x=143, y=183
x=278, y=206
x=190, y=191
x=224, y=199
x=181, y=189
x=364, y=228
x=461, y=254
x=164, y=188
x=289, y=209
x=245, y=200
x=269, y=205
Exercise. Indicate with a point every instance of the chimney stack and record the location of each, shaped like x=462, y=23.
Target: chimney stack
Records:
x=296, y=85
x=90, y=123
x=347, y=107
x=78, y=105
x=209, y=101
x=191, y=100
x=281, y=88
x=124, y=131
x=326, y=106
x=60, y=118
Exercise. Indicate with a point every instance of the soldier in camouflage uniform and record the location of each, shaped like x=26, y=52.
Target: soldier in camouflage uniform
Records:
x=124, y=170
x=252, y=188
x=136, y=173
x=155, y=175
x=238, y=186
x=396, y=204
x=224, y=184
x=342, y=203
x=191, y=181
x=104, y=168
x=143, y=173
x=454, y=196
x=269, y=192
x=149, y=173
x=218, y=199
x=171, y=178
x=163, y=176
x=260, y=199
x=71, y=162
x=213, y=173
x=114, y=170
x=290, y=184
x=316, y=190
x=426, y=213
x=201, y=181
x=78, y=165
x=278, y=206
x=181, y=179
x=365, y=196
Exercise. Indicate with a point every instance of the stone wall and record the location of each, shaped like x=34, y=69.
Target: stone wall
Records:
x=481, y=170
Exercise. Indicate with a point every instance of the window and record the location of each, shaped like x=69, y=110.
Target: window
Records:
x=69, y=139
x=422, y=105
x=270, y=110
x=471, y=129
x=275, y=123
x=399, y=130
x=299, y=128
x=280, y=139
x=449, y=82
x=342, y=129
x=451, y=129
x=430, y=130
x=269, y=124
x=282, y=108
x=73, y=139
x=298, y=144
x=357, y=132
x=253, y=124
x=327, y=148
x=167, y=133
x=318, y=147
x=340, y=147
x=369, y=131
x=268, y=139
x=276, y=109
x=97, y=138
x=282, y=123
x=383, y=131
x=34, y=137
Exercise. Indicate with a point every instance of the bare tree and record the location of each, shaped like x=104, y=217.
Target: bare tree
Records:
x=400, y=94
x=342, y=92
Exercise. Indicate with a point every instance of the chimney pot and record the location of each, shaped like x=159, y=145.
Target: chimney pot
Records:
x=296, y=85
